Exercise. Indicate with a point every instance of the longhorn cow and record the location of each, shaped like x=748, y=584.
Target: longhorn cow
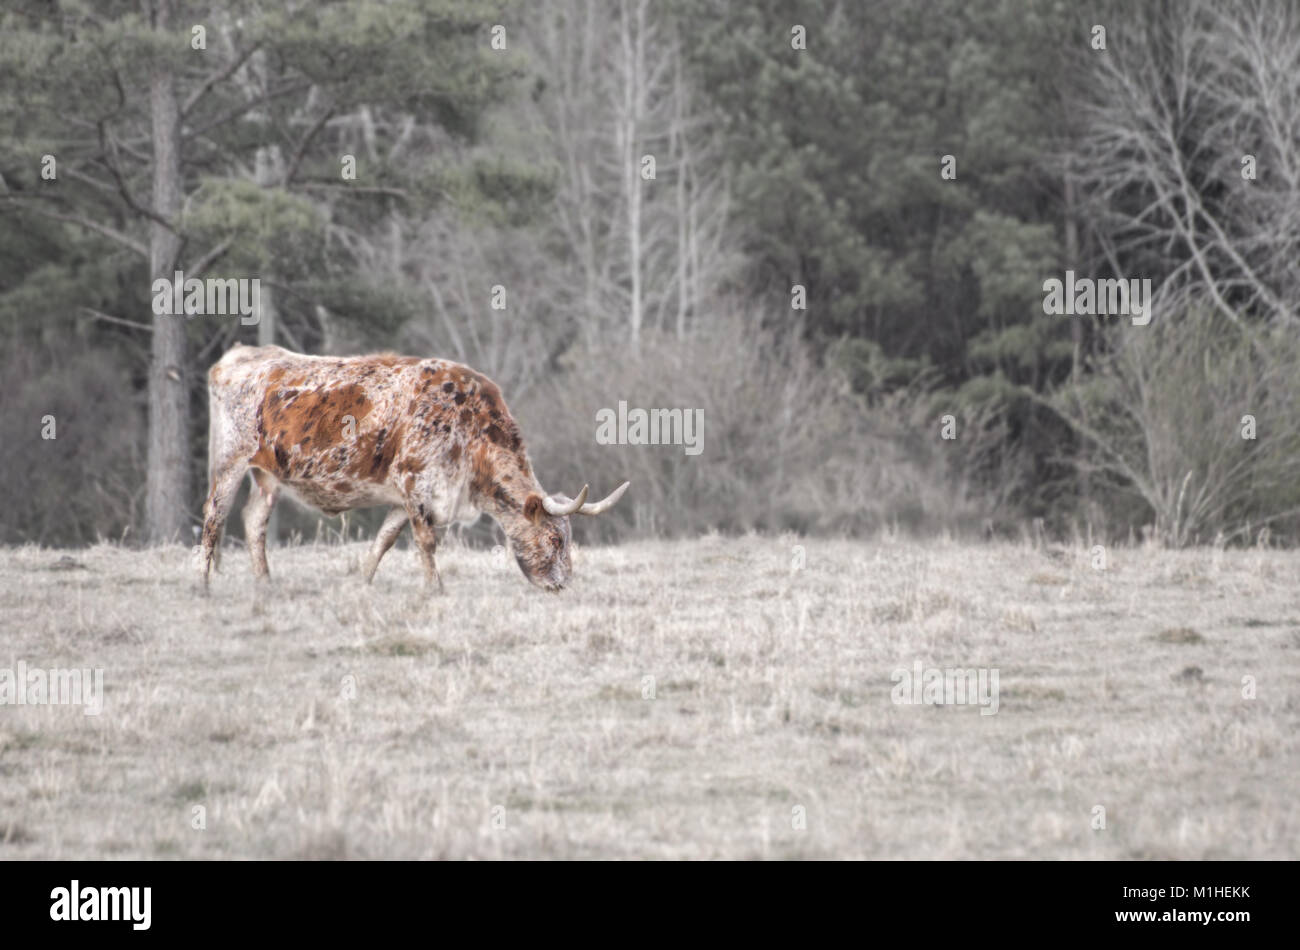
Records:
x=430, y=438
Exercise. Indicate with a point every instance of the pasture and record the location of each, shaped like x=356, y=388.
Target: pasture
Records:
x=320, y=718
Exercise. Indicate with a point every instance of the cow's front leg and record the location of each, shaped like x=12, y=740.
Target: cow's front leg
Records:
x=388, y=532
x=426, y=539
x=257, y=513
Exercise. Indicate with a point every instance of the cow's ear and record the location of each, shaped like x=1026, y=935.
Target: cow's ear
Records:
x=533, y=509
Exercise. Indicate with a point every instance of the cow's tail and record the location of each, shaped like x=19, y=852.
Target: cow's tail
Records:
x=215, y=449
x=214, y=436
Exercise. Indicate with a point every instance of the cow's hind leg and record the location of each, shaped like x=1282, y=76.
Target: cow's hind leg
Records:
x=426, y=539
x=216, y=550
x=225, y=483
x=388, y=532
x=261, y=498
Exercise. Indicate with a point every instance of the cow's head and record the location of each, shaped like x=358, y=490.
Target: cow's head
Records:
x=542, y=547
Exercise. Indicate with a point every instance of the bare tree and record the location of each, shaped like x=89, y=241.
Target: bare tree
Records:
x=168, y=479
x=647, y=251
x=1185, y=172
x=1190, y=125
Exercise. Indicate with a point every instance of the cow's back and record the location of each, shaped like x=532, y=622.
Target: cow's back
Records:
x=346, y=432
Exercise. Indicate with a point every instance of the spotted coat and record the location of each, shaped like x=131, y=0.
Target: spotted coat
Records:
x=431, y=438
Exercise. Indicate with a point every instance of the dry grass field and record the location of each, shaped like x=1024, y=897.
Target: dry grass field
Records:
x=319, y=718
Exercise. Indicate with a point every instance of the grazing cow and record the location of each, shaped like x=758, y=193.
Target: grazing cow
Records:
x=431, y=438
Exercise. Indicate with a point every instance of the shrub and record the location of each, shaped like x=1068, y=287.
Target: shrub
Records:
x=786, y=443
x=85, y=483
x=1165, y=413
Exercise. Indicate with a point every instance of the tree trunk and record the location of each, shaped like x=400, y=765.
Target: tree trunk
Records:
x=633, y=59
x=1072, y=260
x=683, y=171
x=266, y=172
x=168, y=481
x=1076, y=333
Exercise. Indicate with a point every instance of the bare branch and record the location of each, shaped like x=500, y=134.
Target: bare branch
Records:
x=301, y=151
x=101, y=229
x=232, y=114
x=210, y=258
x=98, y=315
x=219, y=76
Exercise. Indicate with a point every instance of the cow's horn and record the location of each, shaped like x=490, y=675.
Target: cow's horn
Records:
x=608, y=502
x=566, y=507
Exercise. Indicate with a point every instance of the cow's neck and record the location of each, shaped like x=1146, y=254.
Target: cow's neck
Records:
x=500, y=486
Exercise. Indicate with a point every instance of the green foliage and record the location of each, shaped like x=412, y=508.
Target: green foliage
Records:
x=269, y=227
x=837, y=151
x=380, y=309
x=871, y=372
x=914, y=282
x=431, y=59
x=495, y=192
